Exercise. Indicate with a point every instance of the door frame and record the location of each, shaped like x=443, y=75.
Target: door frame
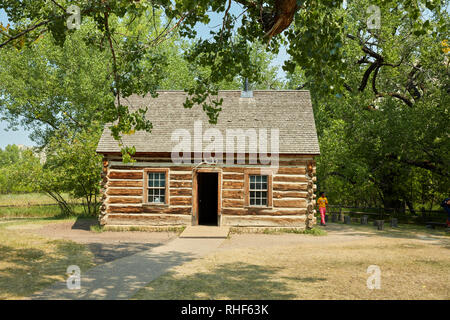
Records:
x=195, y=173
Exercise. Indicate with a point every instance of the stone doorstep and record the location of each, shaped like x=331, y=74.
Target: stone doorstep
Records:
x=211, y=232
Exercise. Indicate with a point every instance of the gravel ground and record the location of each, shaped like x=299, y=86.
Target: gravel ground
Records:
x=106, y=246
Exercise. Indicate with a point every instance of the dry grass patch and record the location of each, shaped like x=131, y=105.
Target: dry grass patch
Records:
x=410, y=269
x=29, y=263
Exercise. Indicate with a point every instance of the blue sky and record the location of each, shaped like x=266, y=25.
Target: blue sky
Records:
x=21, y=136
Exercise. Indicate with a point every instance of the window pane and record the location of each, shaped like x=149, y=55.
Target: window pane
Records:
x=258, y=190
x=156, y=184
x=264, y=194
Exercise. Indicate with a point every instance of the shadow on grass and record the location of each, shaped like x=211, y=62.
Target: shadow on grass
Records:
x=227, y=281
x=105, y=252
x=30, y=269
x=84, y=223
x=305, y=279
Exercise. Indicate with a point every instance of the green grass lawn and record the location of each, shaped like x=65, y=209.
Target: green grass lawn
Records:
x=33, y=205
x=27, y=199
x=35, y=211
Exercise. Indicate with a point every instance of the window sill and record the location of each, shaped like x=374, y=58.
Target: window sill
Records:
x=258, y=207
x=152, y=204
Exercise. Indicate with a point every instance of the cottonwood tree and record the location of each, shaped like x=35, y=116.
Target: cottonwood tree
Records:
x=311, y=30
x=383, y=127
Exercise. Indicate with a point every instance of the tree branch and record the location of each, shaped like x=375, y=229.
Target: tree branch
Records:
x=24, y=32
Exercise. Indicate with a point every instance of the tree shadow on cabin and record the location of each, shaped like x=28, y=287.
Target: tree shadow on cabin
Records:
x=227, y=281
x=29, y=269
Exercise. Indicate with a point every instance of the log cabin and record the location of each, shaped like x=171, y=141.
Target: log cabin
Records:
x=254, y=168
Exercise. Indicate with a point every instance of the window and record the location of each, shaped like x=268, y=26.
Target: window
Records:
x=156, y=187
x=258, y=190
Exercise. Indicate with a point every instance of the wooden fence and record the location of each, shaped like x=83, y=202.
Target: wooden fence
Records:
x=421, y=217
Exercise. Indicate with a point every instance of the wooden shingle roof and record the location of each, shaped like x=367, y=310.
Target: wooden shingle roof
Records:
x=290, y=111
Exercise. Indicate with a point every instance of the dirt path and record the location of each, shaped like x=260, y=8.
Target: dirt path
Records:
x=106, y=246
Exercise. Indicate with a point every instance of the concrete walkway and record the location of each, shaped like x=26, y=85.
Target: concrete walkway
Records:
x=122, y=278
x=209, y=232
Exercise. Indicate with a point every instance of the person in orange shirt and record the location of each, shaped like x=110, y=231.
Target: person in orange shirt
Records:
x=323, y=204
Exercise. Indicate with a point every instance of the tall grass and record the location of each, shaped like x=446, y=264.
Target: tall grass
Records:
x=37, y=212
x=27, y=199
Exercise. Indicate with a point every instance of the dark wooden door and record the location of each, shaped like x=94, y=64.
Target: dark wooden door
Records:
x=208, y=184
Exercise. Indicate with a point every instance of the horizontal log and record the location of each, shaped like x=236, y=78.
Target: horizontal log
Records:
x=233, y=194
x=289, y=194
x=125, y=183
x=124, y=192
x=180, y=201
x=282, y=170
x=290, y=187
x=181, y=176
x=264, y=221
x=290, y=178
x=180, y=192
x=233, y=184
x=300, y=163
x=180, y=184
x=234, y=211
x=168, y=210
x=230, y=203
x=229, y=176
x=119, y=167
x=114, y=209
x=125, y=175
x=148, y=219
x=124, y=200
x=233, y=169
x=297, y=203
x=262, y=211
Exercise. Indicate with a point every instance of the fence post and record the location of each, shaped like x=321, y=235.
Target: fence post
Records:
x=394, y=220
x=364, y=219
x=341, y=217
x=347, y=219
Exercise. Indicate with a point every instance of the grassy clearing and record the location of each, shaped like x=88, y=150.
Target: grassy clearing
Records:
x=410, y=269
x=33, y=205
x=29, y=199
x=29, y=263
x=36, y=211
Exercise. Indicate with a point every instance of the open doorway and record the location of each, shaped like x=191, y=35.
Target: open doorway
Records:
x=208, y=184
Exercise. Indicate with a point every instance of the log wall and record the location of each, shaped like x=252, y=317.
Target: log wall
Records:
x=292, y=190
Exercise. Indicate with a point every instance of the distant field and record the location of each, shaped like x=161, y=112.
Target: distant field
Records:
x=28, y=199
x=33, y=205
x=35, y=211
